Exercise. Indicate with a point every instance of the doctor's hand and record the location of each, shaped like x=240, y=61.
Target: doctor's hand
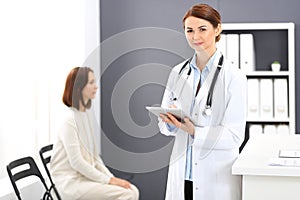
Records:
x=186, y=126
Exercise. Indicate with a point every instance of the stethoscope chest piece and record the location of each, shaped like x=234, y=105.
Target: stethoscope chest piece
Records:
x=207, y=111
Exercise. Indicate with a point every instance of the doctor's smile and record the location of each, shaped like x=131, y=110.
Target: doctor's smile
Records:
x=198, y=43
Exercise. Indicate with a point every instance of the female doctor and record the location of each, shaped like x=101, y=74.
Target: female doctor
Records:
x=207, y=141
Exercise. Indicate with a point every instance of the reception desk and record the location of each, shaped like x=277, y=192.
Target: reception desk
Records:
x=261, y=181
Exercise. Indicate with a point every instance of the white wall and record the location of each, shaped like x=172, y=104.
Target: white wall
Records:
x=40, y=42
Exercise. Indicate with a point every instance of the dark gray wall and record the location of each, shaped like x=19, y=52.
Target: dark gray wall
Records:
x=116, y=18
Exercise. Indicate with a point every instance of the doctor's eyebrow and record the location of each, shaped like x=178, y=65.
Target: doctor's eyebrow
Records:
x=200, y=27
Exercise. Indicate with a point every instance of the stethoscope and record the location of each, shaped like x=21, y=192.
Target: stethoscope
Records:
x=207, y=109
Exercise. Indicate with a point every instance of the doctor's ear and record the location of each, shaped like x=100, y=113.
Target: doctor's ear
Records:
x=218, y=29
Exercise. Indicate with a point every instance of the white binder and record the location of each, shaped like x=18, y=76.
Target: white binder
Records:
x=280, y=98
x=283, y=129
x=270, y=129
x=266, y=98
x=255, y=129
x=232, y=49
x=221, y=45
x=253, y=99
x=247, y=53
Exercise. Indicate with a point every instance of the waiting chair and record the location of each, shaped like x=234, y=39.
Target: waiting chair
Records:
x=46, y=158
x=23, y=168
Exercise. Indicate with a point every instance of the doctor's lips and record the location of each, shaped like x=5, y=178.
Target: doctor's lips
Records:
x=198, y=43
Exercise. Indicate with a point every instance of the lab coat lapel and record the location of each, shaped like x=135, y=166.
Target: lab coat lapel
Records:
x=187, y=93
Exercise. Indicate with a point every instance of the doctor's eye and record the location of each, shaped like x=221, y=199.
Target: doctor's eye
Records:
x=189, y=31
x=202, y=29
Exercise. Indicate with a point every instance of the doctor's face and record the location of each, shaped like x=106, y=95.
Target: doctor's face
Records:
x=201, y=34
x=90, y=89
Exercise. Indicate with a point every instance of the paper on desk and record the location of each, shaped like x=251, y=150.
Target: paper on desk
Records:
x=289, y=153
x=288, y=162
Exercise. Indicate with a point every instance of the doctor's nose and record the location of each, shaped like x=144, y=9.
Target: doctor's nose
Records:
x=196, y=35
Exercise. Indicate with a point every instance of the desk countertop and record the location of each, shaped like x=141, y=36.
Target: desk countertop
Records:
x=255, y=157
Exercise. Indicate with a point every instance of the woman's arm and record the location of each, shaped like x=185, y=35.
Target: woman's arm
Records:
x=78, y=163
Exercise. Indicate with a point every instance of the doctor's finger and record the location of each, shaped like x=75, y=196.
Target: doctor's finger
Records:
x=188, y=126
x=187, y=120
x=165, y=118
x=174, y=120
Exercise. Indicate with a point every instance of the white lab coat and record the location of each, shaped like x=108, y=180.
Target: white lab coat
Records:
x=217, y=138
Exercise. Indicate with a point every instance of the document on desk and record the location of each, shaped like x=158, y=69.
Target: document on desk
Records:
x=285, y=162
x=286, y=157
x=289, y=153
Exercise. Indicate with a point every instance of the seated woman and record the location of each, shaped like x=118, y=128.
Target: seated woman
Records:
x=76, y=167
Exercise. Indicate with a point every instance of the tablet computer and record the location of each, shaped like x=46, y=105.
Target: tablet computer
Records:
x=177, y=112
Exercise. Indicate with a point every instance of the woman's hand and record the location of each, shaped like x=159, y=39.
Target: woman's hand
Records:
x=119, y=182
x=187, y=126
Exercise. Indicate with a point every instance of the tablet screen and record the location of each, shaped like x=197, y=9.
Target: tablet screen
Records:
x=177, y=112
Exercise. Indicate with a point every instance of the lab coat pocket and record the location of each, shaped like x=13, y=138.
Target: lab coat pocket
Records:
x=203, y=120
x=199, y=117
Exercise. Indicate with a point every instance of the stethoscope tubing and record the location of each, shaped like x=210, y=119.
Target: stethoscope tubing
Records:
x=207, y=110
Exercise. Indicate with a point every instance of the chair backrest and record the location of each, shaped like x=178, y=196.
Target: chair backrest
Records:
x=22, y=172
x=46, y=158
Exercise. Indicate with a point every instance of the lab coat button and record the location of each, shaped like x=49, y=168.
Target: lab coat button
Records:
x=196, y=114
x=195, y=163
x=196, y=188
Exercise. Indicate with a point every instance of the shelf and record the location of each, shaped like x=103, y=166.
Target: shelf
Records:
x=268, y=120
x=267, y=73
x=258, y=26
x=272, y=41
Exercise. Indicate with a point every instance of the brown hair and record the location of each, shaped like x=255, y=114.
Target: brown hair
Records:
x=76, y=81
x=205, y=12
